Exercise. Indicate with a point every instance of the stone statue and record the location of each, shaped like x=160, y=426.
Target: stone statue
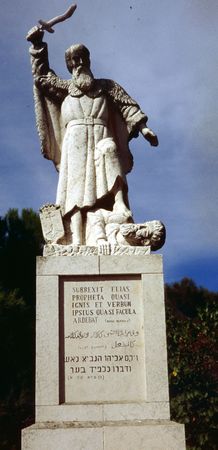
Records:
x=85, y=125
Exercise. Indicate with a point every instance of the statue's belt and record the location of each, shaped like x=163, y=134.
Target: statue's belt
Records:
x=87, y=121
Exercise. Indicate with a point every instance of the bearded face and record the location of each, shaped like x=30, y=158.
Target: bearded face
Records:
x=78, y=63
x=83, y=77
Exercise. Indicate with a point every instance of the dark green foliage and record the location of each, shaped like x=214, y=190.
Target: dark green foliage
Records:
x=191, y=327
x=20, y=242
x=193, y=374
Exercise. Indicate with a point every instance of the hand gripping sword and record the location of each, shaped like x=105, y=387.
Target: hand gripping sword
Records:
x=48, y=25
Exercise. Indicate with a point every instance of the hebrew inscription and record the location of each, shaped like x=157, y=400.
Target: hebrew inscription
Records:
x=103, y=340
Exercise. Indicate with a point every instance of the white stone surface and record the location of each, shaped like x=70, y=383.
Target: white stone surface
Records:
x=52, y=223
x=69, y=250
x=56, y=437
x=72, y=250
x=137, y=411
x=144, y=378
x=83, y=265
x=155, y=338
x=130, y=265
x=65, y=265
x=141, y=325
x=132, y=411
x=70, y=413
x=47, y=341
x=84, y=126
x=103, y=412
x=103, y=340
x=145, y=435
x=120, y=238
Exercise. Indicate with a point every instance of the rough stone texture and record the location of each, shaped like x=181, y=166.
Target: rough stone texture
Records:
x=144, y=435
x=52, y=223
x=152, y=264
x=122, y=238
x=101, y=412
x=67, y=266
x=84, y=126
x=136, y=416
x=47, y=341
x=85, y=250
x=155, y=338
x=101, y=362
x=107, y=343
x=149, y=280
x=54, y=436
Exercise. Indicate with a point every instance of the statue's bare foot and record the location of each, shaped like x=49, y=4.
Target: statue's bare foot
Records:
x=76, y=226
x=61, y=241
x=77, y=242
x=103, y=247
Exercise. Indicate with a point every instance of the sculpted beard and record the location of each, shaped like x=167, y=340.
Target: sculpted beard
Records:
x=83, y=78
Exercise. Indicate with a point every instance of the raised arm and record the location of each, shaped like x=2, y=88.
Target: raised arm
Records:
x=44, y=77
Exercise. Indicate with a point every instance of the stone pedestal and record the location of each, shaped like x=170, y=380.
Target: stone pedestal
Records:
x=101, y=360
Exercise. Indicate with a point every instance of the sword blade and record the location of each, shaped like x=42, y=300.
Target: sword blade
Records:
x=50, y=23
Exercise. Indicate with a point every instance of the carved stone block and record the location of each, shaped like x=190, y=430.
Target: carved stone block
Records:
x=52, y=224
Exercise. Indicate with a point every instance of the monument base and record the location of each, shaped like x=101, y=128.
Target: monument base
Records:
x=101, y=360
x=123, y=435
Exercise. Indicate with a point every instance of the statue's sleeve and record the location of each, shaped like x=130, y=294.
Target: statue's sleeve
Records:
x=124, y=120
x=49, y=92
x=44, y=77
x=127, y=107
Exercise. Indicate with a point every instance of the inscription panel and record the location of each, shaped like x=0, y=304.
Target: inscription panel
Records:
x=102, y=340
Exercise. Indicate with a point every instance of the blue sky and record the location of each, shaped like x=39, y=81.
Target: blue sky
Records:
x=164, y=53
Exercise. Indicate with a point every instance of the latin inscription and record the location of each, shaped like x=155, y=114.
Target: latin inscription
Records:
x=103, y=341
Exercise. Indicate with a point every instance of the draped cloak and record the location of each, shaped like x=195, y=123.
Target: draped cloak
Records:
x=90, y=152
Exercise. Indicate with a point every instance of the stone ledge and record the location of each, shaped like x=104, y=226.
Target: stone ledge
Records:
x=109, y=423
x=103, y=412
x=99, y=265
x=84, y=250
x=135, y=435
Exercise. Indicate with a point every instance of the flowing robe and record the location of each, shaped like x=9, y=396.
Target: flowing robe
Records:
x=85, y=134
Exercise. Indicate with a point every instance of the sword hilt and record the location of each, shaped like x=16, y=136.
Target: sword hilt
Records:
x=49, y=24
x=45, y=26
